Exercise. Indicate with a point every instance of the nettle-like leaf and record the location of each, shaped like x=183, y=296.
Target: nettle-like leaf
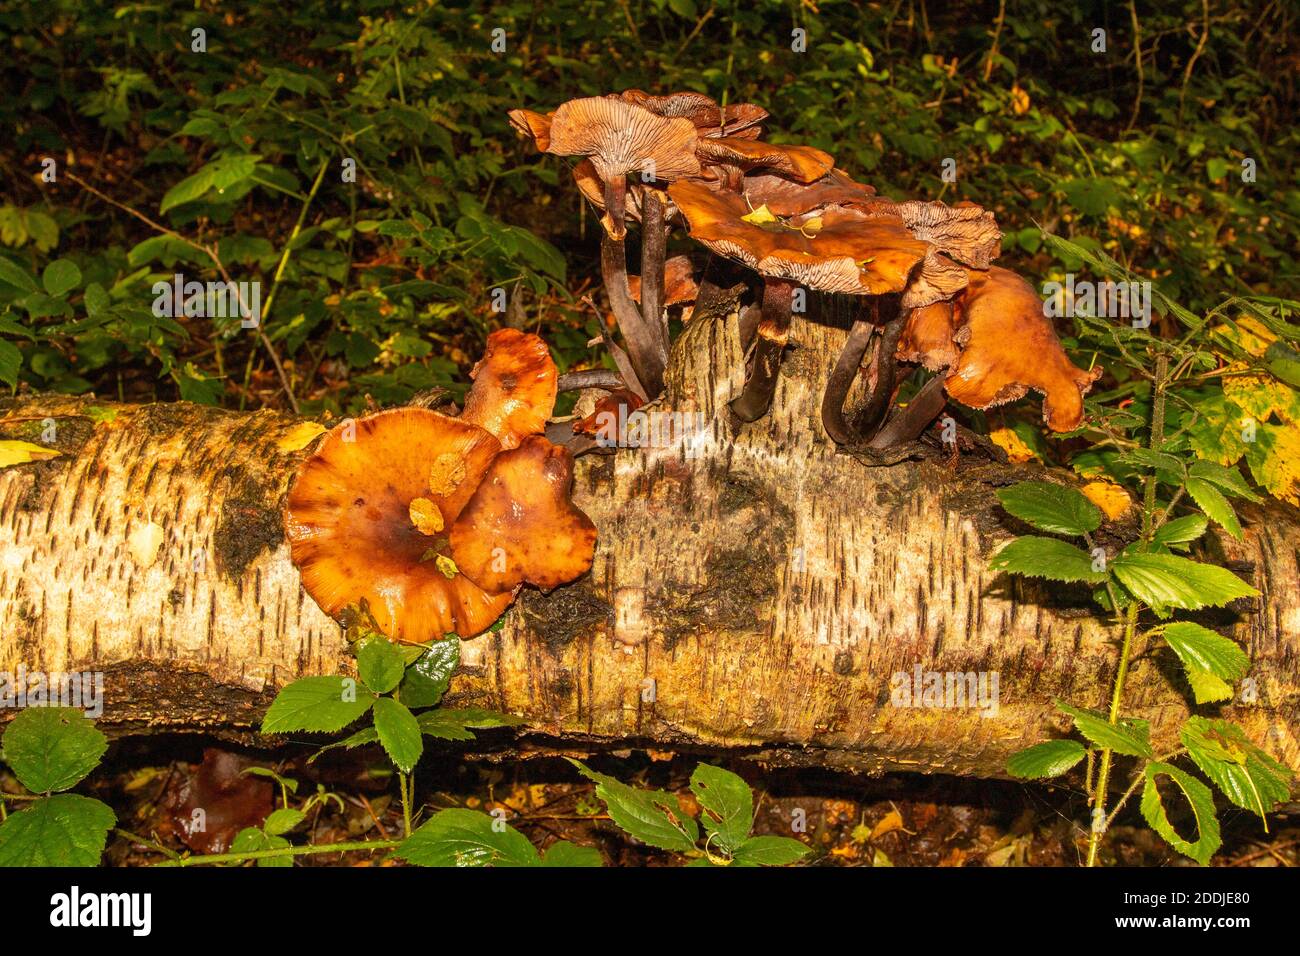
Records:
x=569, y=855
x=1049, y=759
x=1165, y=581
x=1198, y=797
x=769, y=851
x=458, y=837
x=1245, y=774
x=1049, y=507
x=1213, y=502
x=324, y=704
x=254, y=839
x=63, y=830
x=652, y=816
x=1226, y=479
x=728, y=805
x=1129, y=736
x=1180, y=532
x=399, y=733
x=429, y=675
x=380, y=663
x=455, y=724
x=218, y=180
x=1212, y=661
x=1049, y=558
x=52, y=748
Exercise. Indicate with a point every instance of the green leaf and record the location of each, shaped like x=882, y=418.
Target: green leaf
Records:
x=1181, y=531
x=1284, y=363
x=1200, y=648
x=1049, y=759
x=283, y=820
x=1163, y=581
x=1206, y=688
x=1129, y=736
x=96, y=300
x=397, y=229
x=769, y=851
x=1046, y=558
x=452, y=724
x=11, y=360
x=427, y=678
x=316, y=703
x=728, y=805
x=221, y=175
x=399, y=733
x=459, y=837
x=16, y=276
x=1202, y=803
x=1048, y=507
x=52, y=748
x=60, y=276
x=380, y=663
x=1211, y=500
x=651, y=816
x=1248, y=776
x=1228, y=480
x=566, y=854
x=1092, y=196
x=62, y=830
x=253, y=839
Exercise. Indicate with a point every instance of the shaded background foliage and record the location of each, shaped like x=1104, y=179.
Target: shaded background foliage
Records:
x=387, y=287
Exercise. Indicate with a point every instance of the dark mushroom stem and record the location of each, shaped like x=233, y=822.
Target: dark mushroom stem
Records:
x=772, y=335
x=908, y=423
x=654, y=244
x=877, y=406
x=846, y=370
x=646, y=348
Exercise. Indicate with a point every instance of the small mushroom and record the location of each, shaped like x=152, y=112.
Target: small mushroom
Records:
x=350, y=529
x=514, y=387
x=710, y=119
x=803, y=164
x=520, y=526
x=678, y=282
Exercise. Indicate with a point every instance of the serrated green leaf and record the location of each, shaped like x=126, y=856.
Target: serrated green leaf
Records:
x=1247, y=775
x=1181, y=531
x=1046, y=558
x=566, y=854
x=1212, y=501
x=1050, y=507
x=769, y=851
x=283, y=820
x=1164, y=581
x=1129, y=736
x=11, y=360
x=253, y=839
x=322, y=704
x=453, y=724
x=61, y=276
x=63, y=830
x=1226, y=479
x=399, y=732
x=16, y=276
x=728, y=805
x=458, y=837
x=428, y=677
x=1198, y=797
x=52, y=748
x=1200, y=648
x=379, y=663
x=1206, y=687
x=651, y=816
x=1049, y=759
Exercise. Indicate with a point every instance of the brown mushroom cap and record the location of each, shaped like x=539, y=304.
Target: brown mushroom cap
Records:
x=520, y=525
x=679, y=282
x=928, y=337
x=735, y=119
x=1008, y=346
x=514, y=387
x=535, y=126
x=622, y=138
x=847, y=252
x=802, y=163
x=785, y=197
x=348, y=522
x=966, y=232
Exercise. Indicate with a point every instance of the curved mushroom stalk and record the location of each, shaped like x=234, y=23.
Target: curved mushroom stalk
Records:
x=907, y=424
x=646, y=348
x=773, y=333
x=654, y=246
x=873, y=413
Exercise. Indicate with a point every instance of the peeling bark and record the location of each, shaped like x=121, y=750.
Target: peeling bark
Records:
x=753, y=589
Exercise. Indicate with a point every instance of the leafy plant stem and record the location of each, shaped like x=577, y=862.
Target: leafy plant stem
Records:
x=280, y=852
x=404, y=782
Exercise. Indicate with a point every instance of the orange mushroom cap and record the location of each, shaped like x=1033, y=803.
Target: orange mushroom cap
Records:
x=802, y=163
x=535, y=126
x=514, y=387
x=785, y=197
x=622, y=138
x=520, y=525
x=679, y=282
x=735, y=119
x=1008, y=346
x=966, y=232
x=847, y=252
x=350, y=530
x=928, y=337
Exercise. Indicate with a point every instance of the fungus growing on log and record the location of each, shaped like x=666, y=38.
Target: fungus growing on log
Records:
x=709, y=119
x=373, y=511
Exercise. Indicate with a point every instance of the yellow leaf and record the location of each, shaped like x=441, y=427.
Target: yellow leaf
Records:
x=15, y=452
x=1113, y=500
x=1019, y=100
x=1011, y=443
x=447, y=473
x=760, y=216
x=891, y=821
x=1260, y=394
x=810, y=227
x=299, y=436
x=447, y=566
x=1274, y=459
x=426, y=517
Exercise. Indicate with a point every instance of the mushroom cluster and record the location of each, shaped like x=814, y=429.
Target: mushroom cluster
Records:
x=917, y=274
x=423, y=524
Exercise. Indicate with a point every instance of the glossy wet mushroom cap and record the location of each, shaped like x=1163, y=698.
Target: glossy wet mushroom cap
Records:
x=1008, y=346
x=514, y=387
x=520, y=526
x=679, y=282
x=803, y=164
x=351, y=531
x=534, y=126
